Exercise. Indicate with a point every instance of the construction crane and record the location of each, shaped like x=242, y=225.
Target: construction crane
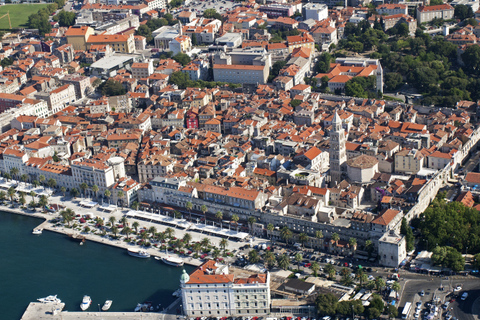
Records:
x=7, y=15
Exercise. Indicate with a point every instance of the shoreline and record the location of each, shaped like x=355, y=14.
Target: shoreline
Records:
x=46, y=225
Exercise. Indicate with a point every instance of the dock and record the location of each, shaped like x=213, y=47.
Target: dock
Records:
x=53, y=311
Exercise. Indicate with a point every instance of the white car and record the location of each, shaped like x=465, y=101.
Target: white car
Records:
x=458, y=288
x=370, y=277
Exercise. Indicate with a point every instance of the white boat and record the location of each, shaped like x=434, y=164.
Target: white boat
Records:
x=144, y=307
x=107, y=305
x=172, y=261
x=48, y=299
x=139, y=253
x=37, y=231
x=86, y=302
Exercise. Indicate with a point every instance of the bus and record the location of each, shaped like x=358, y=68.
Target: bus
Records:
x=406, y=310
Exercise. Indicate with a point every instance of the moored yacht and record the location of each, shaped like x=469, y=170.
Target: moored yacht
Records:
x=107, y=305
x=139, y=253
x=86, y=302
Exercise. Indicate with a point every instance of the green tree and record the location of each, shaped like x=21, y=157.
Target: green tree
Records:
x=146, y=32
x=315, y=268
x=283, y=261
x=408, y=233
x=33, y=194
x=323, y=63
x=43, y=201
x=107, y=194
x=11, y=193
x=330, y=270
x=63, y=190
x=219, y=217
x=326, y=304
x=120, y=195
x=170, y=232
x=251, y=221
x=345, y=308
x=463, y=12
x=393, y=80
x=380, y=283
x=298, y=259
x=372, y=313
x=14, y=172
x=204, y=210
x=189, y=207
x=66, y=19
x=112, y=220
x=235, y=219
x=95, y=190
x=476, y=261
x=270, y=229
x=112, y=88
x=335, y=237
x=392, y=311
x=3, y=195
x=223, y=244
x=67, y=215
x=182, y=58
x=197, y=247
x=395, y=287
x=126, y=231
x=39, y=21
x=276, y=67
x=84, y=187
x=114, y=230
x=135, y=226
x=303, y=238
x=471, y=59
x=74, y=192
x=24, y=177
x=52, y=183
x=286, y=234
x=212, y=14
x=188, y=237
x=253, y=256
x=269, y=259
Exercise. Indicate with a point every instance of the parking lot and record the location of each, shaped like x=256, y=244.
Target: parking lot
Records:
x=199, y=6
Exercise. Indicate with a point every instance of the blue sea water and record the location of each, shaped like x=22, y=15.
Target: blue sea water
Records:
x=35, y=266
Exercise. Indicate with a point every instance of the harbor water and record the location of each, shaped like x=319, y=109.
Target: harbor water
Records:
x=35, y=266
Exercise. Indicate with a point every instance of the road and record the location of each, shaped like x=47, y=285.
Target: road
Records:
x=431, y=286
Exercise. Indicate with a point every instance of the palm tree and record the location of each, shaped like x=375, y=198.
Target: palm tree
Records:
x=74, y=192
x=52, y=183
x=396, y=286
x=112, y=220
x=251, y=221
x=41, y=178
x=253, y=256
x=177, y=214
x=14, y=172
x=43, y=201
x=135, y=205
x=189, y=207
x=124, y=220
x=269, y=259
x=298, y=259
x=67, y=215
x=205, y=243
x=330, y=270
x=32, y=194
x=215, y=254
x=120, y=197
x=286, y=234
x=11, y=193
x=270, y=229
x=363, y=278
x=197, y=246
x=126, y=231
x=204, y=209
x=24, y=177
x=83, y=187
x=135, y=226
x=161, y=236
x=224, y=244
x=35, y=183
x=369, y=247
x=170, y=232
x=283, y=261
x=319, y=234
x=379, y=283
x=63, y=190
x=335, y=237
x=187, y=238
x=114, y=230
x=32, y=205
x=219, y=217
x=107, y=194
x=152, y=230
x=22, y=200
x=235, y=219
x=352, y=242
x=95, y=190
x=3, y=195
x=315, y=267
x=302, y=237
